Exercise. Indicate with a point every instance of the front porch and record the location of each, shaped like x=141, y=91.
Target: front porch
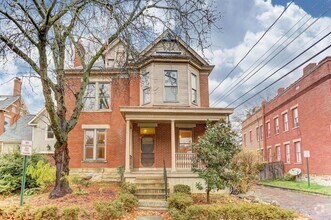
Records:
x=157, y=134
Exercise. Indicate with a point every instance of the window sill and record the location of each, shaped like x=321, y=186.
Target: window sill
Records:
x=94, y=161
x=298, y=163
x=95, y=111
x=285, y=131
x=295, y=128
x=171, y=101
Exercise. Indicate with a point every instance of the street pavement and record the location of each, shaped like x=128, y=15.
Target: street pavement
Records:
x=317, y=207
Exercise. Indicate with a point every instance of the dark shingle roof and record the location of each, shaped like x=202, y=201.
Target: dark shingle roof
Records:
x=18, y=131
x=5, y=101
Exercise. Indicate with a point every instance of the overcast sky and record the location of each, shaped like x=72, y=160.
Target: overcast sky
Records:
x=243, y=22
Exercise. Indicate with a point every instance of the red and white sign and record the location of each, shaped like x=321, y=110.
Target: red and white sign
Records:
x=306, y=153
x=26, y=148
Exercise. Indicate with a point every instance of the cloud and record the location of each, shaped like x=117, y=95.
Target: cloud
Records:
x=249, y=23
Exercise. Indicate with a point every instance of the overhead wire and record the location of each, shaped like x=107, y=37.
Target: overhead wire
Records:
x=248, y=52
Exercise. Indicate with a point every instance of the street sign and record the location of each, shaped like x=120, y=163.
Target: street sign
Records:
x=26, y=148
x=306, y=153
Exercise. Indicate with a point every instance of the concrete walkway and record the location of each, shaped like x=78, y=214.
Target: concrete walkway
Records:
x=317, y=207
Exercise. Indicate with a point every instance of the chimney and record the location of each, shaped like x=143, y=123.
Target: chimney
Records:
x=309, y=68
x=280, y=90
x=17, y=87
x=80, y=47
x=264, y=102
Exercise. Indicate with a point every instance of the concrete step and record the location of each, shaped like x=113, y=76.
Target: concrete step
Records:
x=143, y=181
x=144, y=185
x=151, y=196
x=152, y=203
x=152, y=190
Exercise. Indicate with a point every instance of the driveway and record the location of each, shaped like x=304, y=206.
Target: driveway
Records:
x=317, y=207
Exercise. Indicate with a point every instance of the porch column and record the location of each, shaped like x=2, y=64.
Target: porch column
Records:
x=127, y=147
x=173, y=147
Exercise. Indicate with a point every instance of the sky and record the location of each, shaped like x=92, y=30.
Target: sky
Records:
x=242, y=23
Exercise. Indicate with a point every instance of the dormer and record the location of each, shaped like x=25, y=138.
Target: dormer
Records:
x=118, y=54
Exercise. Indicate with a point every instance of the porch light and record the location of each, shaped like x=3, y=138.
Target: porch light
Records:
x=147, y=131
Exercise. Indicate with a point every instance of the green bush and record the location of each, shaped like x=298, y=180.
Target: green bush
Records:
x=129, y=201
x=289, y=177
x=128, y=188
x=181, y=188
x=177, y=214
x=24, y=213
x=11, y=167
x=43, y=173
x=46, y=213
x=245, y=211
x=79, y=181
x=70, y=213
x=179, y=201
x=108, y=210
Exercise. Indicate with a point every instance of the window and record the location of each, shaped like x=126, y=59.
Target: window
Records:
x=262, y=155
x=6, y=123
x=194, y=88
x=170, y=85
x=146, y=87
x=244, y=140
x=13, y=109
x=97, y=96
x=268, y=129
x=257, y=134
x=95, y=145
x=285, y=120
x=185, y=141
x=49, y=132
x=279, y=156
x=295, y=117
x=261, y=132
x=250, y=137
x=298, y=152
x=270, y=154
x=288, y=153
x=276, y=120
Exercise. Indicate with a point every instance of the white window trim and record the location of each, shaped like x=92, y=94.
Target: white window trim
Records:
x=95, y=126
x=196, y=88
x=294, y=106
x=164, y=86
x=150, y=89
x=287, y=142
x=284, y=112
x=296, y=140
x=46, y=134
x=95, y=146
x=296, y=153
x=277, y=146
x=275, y=117
x=96, y=109
x=289, y=152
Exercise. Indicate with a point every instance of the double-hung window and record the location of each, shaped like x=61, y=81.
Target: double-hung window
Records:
x=250, y=137
x=170, y=85
x=49, y=132
x=6, y=124
x=261, y=132
x=298, y=151
x=257, y=134
x=268, y=129
x=270, y=154
x=276, y=120
x=287, y=153
x=97, y=96
x=295, y=117
x=279, y=156
x=194, y=88
x=285, y=120
x=146, y=87
x=95, y=145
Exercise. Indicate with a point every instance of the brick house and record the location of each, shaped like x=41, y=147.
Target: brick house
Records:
x=12, y=107
x=143, y=119
x=298, y=119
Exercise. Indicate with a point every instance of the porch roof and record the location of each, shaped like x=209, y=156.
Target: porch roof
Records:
x=167, y=113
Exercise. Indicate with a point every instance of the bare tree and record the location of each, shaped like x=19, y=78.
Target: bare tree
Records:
x=43, y=33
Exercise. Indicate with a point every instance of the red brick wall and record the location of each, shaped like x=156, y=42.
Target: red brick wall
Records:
x=312, y=96
x=115, y=135
x=134, y=89
x=204, y=93
x=14, y=116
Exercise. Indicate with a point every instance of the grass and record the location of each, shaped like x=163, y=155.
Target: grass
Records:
x=302, y=186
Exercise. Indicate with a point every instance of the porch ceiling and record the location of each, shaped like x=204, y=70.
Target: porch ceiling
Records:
x=165, y=113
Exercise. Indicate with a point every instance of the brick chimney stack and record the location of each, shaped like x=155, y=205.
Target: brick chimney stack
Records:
x=309, y=68
x=17, y=87
x=77, y=61
x=280, y=90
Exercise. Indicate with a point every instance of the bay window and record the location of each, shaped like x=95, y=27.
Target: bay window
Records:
x=146, y=88
x=194, y=88
x=170, y=85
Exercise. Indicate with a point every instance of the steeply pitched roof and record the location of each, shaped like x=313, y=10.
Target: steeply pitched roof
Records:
x=18, y=131
x=6, y=101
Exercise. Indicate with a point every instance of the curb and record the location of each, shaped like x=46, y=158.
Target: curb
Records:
x=295, y=190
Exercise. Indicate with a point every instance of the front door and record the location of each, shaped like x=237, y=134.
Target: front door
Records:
x=147, y=151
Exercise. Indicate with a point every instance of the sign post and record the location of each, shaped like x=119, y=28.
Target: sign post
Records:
x=306, y=154
x=26, y=150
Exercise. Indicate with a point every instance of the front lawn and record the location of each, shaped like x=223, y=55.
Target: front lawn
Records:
x=302, y=186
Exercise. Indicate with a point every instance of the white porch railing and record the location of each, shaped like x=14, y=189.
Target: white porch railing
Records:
x=184, y=160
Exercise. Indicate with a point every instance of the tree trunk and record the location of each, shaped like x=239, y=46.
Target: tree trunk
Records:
x=61, y=157
x=208, y=198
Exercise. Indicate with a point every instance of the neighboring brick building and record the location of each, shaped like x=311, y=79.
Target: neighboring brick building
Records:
x=140, y=119
x=298, y=119
x=12, y=107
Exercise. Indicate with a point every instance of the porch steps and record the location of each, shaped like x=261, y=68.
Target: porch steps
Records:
x=151, y=187
x=155, y=205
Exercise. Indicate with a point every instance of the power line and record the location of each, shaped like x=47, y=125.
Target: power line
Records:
x=238, y=79
x=297, y=67
x=296, y=57
x=253, y=46
x=243, y=80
